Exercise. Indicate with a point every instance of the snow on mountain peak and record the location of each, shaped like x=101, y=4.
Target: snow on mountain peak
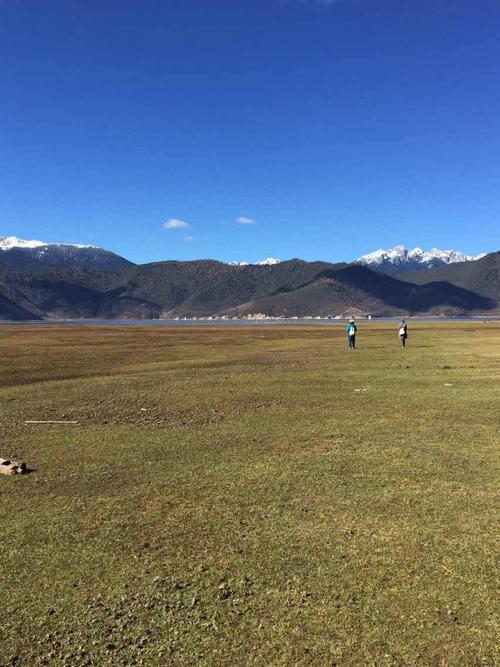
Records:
x=10, y=242
x=399, y=258
x=269, y=261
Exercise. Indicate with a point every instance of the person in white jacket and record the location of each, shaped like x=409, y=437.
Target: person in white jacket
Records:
x=402, y=333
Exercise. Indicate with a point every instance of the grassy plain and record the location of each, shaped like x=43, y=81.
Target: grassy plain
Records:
x=250, y=496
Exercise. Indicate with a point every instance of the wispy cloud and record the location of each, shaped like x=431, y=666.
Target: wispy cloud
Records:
x=175, y=223
x=188, y=239
x=243, y=220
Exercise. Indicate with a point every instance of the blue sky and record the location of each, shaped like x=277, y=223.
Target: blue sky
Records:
x=329, y=129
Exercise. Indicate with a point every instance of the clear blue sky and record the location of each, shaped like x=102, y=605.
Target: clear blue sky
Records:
x=338, y=127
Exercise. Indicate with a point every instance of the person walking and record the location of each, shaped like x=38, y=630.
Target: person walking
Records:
x=350, y=331
x=402, y=333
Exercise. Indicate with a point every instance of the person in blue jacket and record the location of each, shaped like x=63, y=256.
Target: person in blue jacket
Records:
x=350, y=331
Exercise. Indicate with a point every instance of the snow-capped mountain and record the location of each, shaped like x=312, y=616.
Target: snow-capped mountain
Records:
x=22, y=253
x=401, y=260
x=9, y=242
x=269, y=261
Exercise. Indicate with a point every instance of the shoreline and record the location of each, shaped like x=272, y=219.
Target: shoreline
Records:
x=285, y=321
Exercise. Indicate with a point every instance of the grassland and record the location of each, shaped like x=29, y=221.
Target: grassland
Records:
x=250, y=496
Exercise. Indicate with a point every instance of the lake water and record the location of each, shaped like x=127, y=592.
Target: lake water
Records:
x=269, y=322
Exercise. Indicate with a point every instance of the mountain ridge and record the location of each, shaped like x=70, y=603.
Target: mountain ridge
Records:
x=30, y=254
x=482, y=276
x=202, y=288
x=71, y=281
x=400, y=259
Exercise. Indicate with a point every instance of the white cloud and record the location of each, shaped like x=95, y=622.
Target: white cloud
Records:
x=243, y=220
x=175, y=223
x=188, y=239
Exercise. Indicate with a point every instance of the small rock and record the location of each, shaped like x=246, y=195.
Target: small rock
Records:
x=224, y=592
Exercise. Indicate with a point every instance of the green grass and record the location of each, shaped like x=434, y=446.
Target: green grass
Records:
x=229, y=498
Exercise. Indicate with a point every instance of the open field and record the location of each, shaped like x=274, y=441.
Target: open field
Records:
x=250, y=496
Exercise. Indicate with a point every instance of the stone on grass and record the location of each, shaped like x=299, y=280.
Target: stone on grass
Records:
x=8, y=467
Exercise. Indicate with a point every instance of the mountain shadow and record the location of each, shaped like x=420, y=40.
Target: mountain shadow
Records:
x=9, y=310
x=481, y=276
x=411, y=297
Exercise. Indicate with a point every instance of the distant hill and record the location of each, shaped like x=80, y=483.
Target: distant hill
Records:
x=481, y=277
x=23, y=254
x=44, y=281
x=207, y=287
x=358, y=290
x=399, y=259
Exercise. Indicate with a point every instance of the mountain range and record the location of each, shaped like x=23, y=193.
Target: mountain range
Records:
x=46, y=281
x=399, y=259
